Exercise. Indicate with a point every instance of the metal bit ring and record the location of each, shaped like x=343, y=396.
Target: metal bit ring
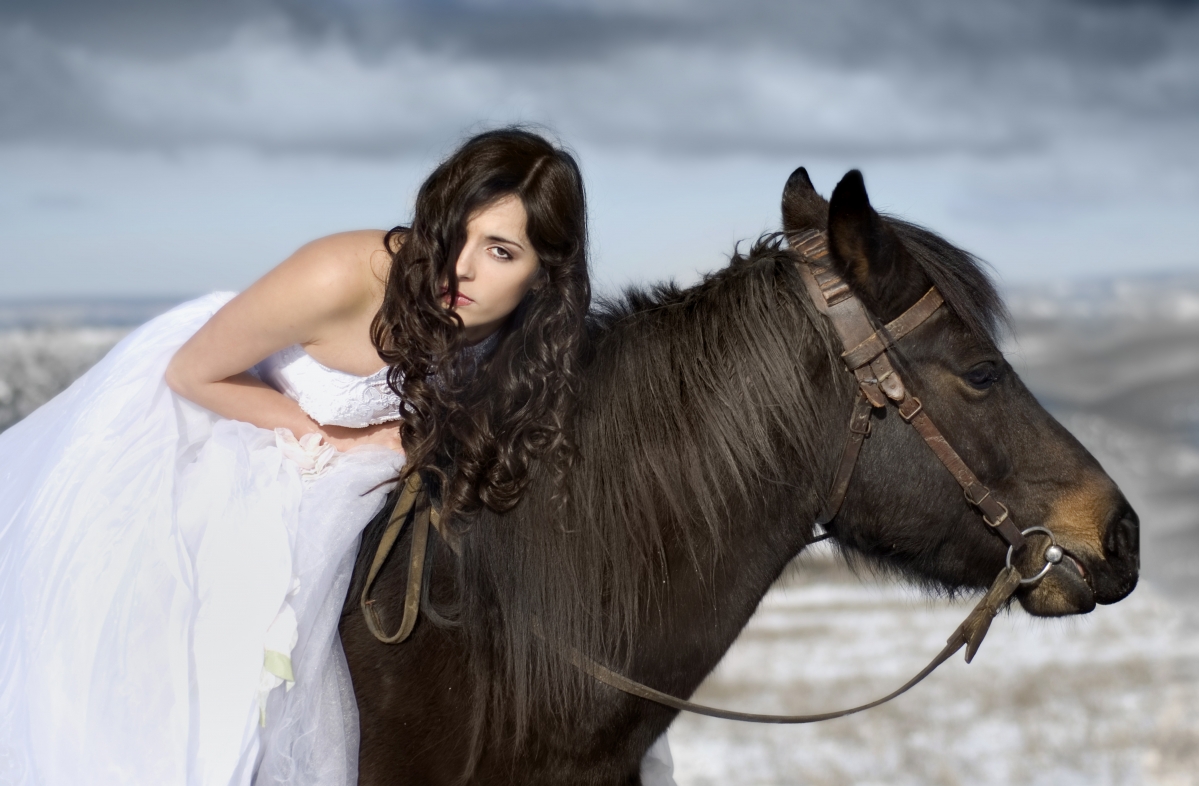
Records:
x=1053, y=554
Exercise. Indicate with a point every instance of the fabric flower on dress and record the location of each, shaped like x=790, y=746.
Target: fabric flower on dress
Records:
x=309, y=452
x=281, y=637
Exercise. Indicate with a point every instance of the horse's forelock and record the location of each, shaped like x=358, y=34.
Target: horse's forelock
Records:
x=961, y=278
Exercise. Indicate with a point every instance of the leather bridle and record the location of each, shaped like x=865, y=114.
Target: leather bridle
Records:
x=866, y=355
x=879, y=384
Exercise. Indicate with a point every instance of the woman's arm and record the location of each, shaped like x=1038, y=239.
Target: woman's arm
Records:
x=322, y=290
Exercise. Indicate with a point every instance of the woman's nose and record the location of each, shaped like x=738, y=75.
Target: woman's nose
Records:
x=465, y=269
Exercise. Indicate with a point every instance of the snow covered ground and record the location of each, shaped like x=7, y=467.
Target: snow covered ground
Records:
x=37, y=363
x=1109, y=698
x=46, y=345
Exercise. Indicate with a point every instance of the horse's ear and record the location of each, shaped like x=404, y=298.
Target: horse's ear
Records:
x=803, y=208
x=866, y=250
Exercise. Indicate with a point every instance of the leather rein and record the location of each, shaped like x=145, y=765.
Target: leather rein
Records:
x=879, y=384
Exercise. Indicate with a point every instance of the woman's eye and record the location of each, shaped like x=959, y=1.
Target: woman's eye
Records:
x=501, y=252
x=982, y=376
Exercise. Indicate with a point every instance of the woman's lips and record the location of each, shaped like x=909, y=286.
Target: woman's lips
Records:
x=462, y=299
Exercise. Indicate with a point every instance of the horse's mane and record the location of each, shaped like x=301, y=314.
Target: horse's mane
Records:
x=693, y=400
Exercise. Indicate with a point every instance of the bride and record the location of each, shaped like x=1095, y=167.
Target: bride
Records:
x=178, y=528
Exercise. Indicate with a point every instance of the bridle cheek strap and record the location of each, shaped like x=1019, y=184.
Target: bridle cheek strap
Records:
x=859, y=429
x=994, y=512
x=866, y=356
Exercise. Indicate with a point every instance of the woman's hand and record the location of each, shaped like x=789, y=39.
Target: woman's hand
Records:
x=385, y=434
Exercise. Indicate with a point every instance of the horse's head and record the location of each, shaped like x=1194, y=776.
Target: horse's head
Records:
x=903, y=508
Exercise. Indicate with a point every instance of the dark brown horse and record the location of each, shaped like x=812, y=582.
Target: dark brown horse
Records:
x=710, y=426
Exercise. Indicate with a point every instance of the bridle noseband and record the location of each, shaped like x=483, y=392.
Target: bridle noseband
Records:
x=879, y=384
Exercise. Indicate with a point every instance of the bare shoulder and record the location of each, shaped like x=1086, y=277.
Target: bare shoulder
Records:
x=321, y=296
x=341, y=270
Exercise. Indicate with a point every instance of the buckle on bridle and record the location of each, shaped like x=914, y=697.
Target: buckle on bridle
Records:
x=1002, y=516
x=860, y=422
x=978, y=502
x=908, y=414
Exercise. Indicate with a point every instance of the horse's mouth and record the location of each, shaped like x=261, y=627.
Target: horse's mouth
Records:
x=1070, y=561
x=1066, y=589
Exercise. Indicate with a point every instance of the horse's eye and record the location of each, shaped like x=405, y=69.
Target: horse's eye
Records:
x=982, y=376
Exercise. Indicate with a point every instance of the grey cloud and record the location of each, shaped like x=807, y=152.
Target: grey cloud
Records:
x=850, y=30
x=373, y=78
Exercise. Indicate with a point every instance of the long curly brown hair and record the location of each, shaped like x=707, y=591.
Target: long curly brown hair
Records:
x=479, y=423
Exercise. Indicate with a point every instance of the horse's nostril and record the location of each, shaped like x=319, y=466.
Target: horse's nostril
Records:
x=1122, y=540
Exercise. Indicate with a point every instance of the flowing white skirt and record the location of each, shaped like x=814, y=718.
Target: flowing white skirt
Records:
x=158, y=567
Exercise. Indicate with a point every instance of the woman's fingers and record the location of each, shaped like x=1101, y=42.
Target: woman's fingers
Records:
x=385, y=434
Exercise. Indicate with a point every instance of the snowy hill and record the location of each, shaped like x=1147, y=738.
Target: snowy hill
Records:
x=45, y=345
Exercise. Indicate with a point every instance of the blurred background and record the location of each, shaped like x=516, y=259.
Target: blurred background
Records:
x=151, y=151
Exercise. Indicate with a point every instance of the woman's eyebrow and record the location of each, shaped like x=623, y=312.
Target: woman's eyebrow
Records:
x=498, y=239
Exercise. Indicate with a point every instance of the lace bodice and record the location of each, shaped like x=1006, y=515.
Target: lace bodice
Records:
x=330, y=397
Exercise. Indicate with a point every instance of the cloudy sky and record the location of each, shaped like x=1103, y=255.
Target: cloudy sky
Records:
x=175, y=148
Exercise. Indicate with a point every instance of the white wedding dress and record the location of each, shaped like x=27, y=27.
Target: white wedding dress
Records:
x=171, y=581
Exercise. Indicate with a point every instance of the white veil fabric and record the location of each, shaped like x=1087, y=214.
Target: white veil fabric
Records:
x=151, y=554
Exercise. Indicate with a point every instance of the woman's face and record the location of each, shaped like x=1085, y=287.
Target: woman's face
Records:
x=496, y=268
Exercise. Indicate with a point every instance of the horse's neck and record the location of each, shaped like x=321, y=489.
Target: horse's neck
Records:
x=710, y=596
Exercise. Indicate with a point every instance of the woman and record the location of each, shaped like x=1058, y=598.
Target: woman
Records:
x=177, y=529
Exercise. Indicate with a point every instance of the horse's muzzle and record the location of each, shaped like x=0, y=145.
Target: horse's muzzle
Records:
x=1084, y=578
